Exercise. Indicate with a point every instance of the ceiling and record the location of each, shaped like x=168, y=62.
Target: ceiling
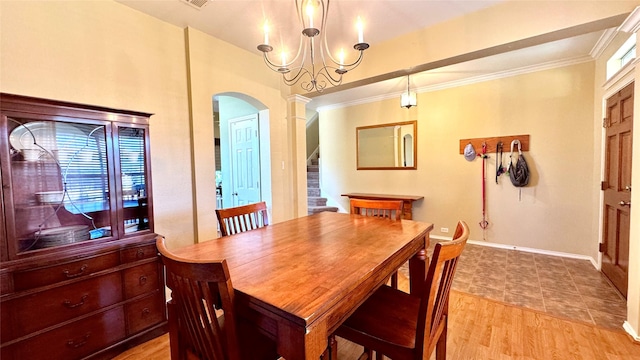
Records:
x=240, y=22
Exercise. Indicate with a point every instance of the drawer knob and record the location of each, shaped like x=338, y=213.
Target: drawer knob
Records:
x=143, y=279
x=145, y=312
x=69, y=275
x=69, y=305
x=140, y=254
x=79, y=342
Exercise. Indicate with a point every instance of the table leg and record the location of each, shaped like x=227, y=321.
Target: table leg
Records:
x=418, y=269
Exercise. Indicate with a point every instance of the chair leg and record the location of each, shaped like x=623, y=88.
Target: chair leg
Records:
x=441, y=346
x=367, y=354
x=331, y=352
x=379, y=356
x=333, y=348
x=394, y=280
x=174, y=332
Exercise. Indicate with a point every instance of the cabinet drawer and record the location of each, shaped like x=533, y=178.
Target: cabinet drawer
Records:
x=140, y=279
x=145, y=312
x=138, y=253
x=72, y=341
x=53, y=306
x=49, y=275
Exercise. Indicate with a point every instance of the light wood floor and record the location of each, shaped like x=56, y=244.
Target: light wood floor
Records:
x=485, y=329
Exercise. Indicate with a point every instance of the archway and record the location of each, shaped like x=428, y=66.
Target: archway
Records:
x=243, y=165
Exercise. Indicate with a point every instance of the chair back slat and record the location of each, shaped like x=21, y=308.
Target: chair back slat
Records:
x=391, y=209
x=242, y=218
x=434, y=305
x=203, y=300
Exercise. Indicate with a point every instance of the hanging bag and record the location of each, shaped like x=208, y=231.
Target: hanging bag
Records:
x=518, y=173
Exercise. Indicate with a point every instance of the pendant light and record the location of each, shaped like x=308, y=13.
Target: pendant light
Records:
x=408, y=98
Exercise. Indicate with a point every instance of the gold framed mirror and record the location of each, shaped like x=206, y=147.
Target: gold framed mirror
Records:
x=390, y=146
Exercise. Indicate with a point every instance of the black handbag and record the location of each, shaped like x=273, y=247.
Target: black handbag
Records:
x=518, y=173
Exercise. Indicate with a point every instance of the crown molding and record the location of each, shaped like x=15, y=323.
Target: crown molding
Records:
x=632, y=23
x=603, y=42
x=468, y=81
x=298, y=98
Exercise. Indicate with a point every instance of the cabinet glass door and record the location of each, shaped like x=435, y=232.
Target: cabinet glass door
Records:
x=131, y=145
x=59, y=182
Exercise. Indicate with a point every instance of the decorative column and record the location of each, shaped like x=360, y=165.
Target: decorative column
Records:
x=297, y=121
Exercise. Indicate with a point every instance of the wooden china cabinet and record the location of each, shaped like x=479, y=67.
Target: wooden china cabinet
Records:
x=80, y=275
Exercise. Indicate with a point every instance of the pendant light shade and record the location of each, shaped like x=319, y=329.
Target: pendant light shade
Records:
x=408, y=98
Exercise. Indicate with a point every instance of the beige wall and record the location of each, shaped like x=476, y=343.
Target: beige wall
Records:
x=554, y=107
x=216, y=67
x=104, y=53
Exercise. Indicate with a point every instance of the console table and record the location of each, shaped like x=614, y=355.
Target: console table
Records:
x=407, y=201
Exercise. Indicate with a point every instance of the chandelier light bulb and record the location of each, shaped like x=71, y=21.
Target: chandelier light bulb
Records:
x=360, y=27
x=310, y=14
x=266, y=33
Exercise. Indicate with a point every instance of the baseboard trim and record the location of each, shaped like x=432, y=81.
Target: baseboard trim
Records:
x=631, y=331
x=526, y=249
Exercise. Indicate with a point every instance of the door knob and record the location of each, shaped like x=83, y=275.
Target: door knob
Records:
x=235, y=194
x=627, y=188
x=625, y=203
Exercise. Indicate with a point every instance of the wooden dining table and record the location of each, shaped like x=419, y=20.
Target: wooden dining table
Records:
x=298, y=280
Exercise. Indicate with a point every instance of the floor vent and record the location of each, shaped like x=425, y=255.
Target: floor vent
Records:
x=198, y=4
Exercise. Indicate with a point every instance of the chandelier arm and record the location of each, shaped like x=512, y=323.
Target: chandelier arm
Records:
x=301, y=50
x=354, y=64
x=310, y=85
x=324, y=72
x=299, y=73
x=269, y=63
x=274, y=66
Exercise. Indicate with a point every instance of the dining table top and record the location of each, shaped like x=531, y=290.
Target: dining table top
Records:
x=312, y=272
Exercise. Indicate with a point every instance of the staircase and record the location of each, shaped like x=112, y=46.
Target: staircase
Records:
x=315, y=203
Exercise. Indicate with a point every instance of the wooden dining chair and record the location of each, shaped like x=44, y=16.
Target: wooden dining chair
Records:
x=378, y=208
x=391, y=209
x=242, y=218
x=203, y=323
x=407, y=327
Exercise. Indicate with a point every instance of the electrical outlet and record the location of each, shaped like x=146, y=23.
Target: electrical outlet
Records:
x=444, y=230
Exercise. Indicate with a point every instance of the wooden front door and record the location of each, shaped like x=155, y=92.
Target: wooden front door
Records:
x=617, y=187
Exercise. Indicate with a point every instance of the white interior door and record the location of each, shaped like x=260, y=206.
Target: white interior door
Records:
x=245, y=160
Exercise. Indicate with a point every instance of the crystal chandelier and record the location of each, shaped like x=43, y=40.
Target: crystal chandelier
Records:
x=315, y=70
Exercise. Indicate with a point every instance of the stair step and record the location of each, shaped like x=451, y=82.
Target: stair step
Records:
x=313, y=192
x=317, y=209
x=313, y=168
x=316, y=201
x=313, y=175
x=313, y=183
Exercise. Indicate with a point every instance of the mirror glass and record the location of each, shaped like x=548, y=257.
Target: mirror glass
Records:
x=387, y=146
